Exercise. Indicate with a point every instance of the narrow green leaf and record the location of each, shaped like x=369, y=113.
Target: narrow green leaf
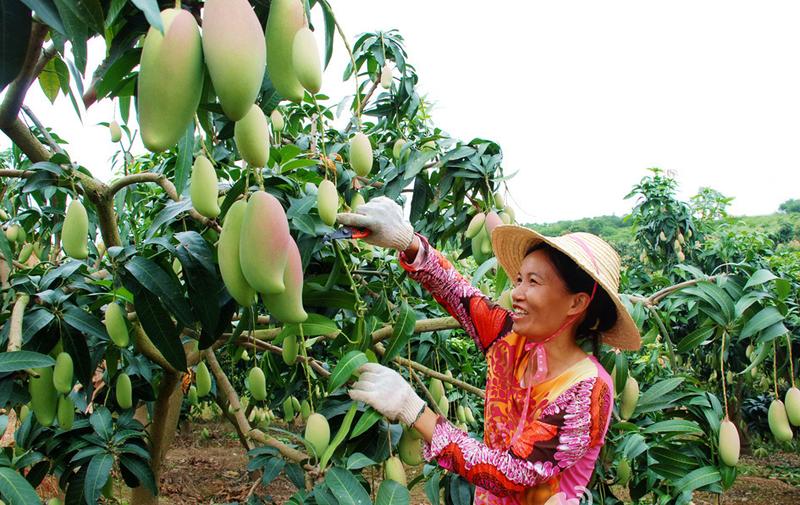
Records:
x=694, y=339
x=659, y=389
x=357, y=461
x=15, y=489
x=330, y=29
x=49, y=81
x=183, y=163
x=102, y=423
x=315, y=325
x=432, y=488
x=140, y=469
x=344, y=428
x=84, y=322
x=159, y=328
x=674, y=426
x=345, y=368
x=392, y=493
x=90, y=12
x=167, y=215
x=764, y=318
x=151, y=13
x=760, y=277
x=46, y=10
x=21, y=360
x=482, y=269
x=158, y=282
x=345, y=487
x=772, y=332
x=75, y=345
x=696, y=479
x=365, y=422
x=97, y=474
x=401, y=332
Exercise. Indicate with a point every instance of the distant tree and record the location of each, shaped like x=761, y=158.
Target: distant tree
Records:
x=790, y=206
x=710, y=205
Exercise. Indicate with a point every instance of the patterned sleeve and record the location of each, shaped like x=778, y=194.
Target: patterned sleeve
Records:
x=483, y=320
x=567, y=428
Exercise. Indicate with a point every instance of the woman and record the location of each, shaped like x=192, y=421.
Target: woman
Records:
x=548, y=403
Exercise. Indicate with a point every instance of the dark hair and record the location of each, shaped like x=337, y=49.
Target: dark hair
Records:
x=601, y=313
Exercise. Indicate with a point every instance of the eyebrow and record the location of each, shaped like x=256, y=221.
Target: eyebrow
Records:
x=530, y=274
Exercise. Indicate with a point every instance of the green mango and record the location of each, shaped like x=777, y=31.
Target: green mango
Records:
x=793, y=405
x=228, y=255
x=66, y=412
x=288, y=409
x=124, y=391
x=306, y=60
x=235, y=52
x=437, y=389
x=288, y=306
x=289, y=351
x=728, y=443
x=361, y=154
x=475, y=225
x=257, y=384
x=623, y=472
x=204, y=190
x=305, y=410
x=192, y=395
x=116, y=325
x=170, y=80
x=318, y=433
x=779, y=422
x=286, y=17
x=393, y=470
x=251, y=134
x=44, y=397
x=115, y=131
x=276, y=118
x=202, y=380
x=25, y=253
x=630, y=398
x=62, y=374
x=327, y=202
x=75, y=232
x=357, y=201
x=410, y=449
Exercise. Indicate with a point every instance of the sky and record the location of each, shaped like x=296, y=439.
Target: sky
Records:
x=582, y=96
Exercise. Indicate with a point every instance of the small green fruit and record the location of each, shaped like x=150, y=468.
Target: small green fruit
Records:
x=289, y=352
x=306, y=61
x=116, y=326
x=203, y=380
x=66, y=412
x=728, y=443
x=386, y=78
x=630, y=398
x=115, y=131
x=257, y=384
x=793, y=405
x=124, y=391
x=204, y=188
x=437, y=389
x=228, y=256
x=75, y=232
x=779, y=422
x=623, y=472
x=393, y=469
x=410, y=449
x=361, y=154
x=277, y=120
x=327, y=202
x=251, y=134
x=475, y=225
x=318, y=433
x=44, y=397
x=62, y=374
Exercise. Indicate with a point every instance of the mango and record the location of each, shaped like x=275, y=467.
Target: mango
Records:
x=257, y=384
x=306, y=61
x=24, y=411
x=12, y=232
x=386, y=77
x=228, y=255
x=116, y=326
x=793, y=405
x=480, y=244
x=499, y=201
x=470, y=417
x=508, y=210
x=276, y=118
x=393, y=469
x=436, y=388
x=623, y=472
x=192, y=395
x=75, y=232
x=202, y=379
x=475, y=225
x=66, y=412
x=123, y=391
x=115, y=131
x=286, y=17
x=397, y=148
x=3, y=214
x=44, y=398
x=251, y=134
x=662, y=237
x=327, y=202
x=170, y=80
x=505, y=218
x=305, y=410
x=288, y=410
x=630, y=398
x=295, y=403
x=361, y=154
x=264, y=243
x=289, y=350
x=288, y=306
x=429, y=146
x=728, y=443
x=779, y=421
x=204, y=189
x=410, y=449
x=492, y=221
x=318, y=433
x=62, y=373
x=25, y=252
x=444, y=405
x=356, y=201
x=235, y=52
x=447, y=385
x=460, y=414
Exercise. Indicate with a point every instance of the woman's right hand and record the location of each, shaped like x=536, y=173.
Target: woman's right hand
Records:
x=384, y=219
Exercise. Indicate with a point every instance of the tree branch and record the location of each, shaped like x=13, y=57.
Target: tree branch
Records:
x=15, y=95
x=21, y=174
x=15, y=328
x=49, y=138
x=25, y=140
x=421, y=326
x=253, y=343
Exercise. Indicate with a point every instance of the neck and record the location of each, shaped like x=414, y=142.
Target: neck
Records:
x=562, y=352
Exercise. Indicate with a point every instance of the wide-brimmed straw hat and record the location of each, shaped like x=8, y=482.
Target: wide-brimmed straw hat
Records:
x=591, y=253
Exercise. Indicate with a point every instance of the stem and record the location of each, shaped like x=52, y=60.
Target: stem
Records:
x=15, y=328
x=775, y=370
x=722, y=372
x=46, y=134
x=665, y=333
x=791, y=363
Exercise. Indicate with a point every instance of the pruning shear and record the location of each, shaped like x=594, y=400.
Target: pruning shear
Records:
x=345, y=233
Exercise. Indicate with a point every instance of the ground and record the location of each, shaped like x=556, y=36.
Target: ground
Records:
x=213, y=470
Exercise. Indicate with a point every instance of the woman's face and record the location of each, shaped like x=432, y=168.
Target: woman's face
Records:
x=541, y=299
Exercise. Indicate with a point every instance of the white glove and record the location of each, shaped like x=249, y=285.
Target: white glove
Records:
x=384, y=219
x=387, y=392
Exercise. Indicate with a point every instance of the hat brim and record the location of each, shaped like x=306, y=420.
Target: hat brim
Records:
x=511, y=242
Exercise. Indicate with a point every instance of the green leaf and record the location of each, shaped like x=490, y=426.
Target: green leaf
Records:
x=432, y=488
x=158, y=282
x=21, y=360
x=696, y=479
x=151, y=13
x=196, y=246
x=401, y=332
x=694, y=339
x=159, y=328
x=15, y=489
x=345, y=487
x=15, y=30
x=84, y=322
x=720, y=297
x=392, y=493
x=97, y=474
x=183, y=163
x=90, y=12
x=482, y=269
x=344, y=428
x=357, y=461
x=365, y=422
x=49, y=81
x=167, y=215
x=330, y=29
x=315, y=325
x=760, y=277
x=772, y=332
x=77, y=34
x=75, y=345
x=674, y=426
x=47, y=12
x=101, y=422
x=345, y=368
x=659, y=389
x=764, y=318
x=141, y=470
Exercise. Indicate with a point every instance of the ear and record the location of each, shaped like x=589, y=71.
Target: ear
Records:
x=580, y=302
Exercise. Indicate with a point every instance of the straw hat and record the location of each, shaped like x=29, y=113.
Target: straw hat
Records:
x=593, y=254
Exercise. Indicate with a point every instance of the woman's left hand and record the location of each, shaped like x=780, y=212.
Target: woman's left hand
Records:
x=387, y=392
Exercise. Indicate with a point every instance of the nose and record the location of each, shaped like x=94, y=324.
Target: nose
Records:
x=517, y=293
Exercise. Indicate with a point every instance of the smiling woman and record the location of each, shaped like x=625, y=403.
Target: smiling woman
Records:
x=548, y=403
